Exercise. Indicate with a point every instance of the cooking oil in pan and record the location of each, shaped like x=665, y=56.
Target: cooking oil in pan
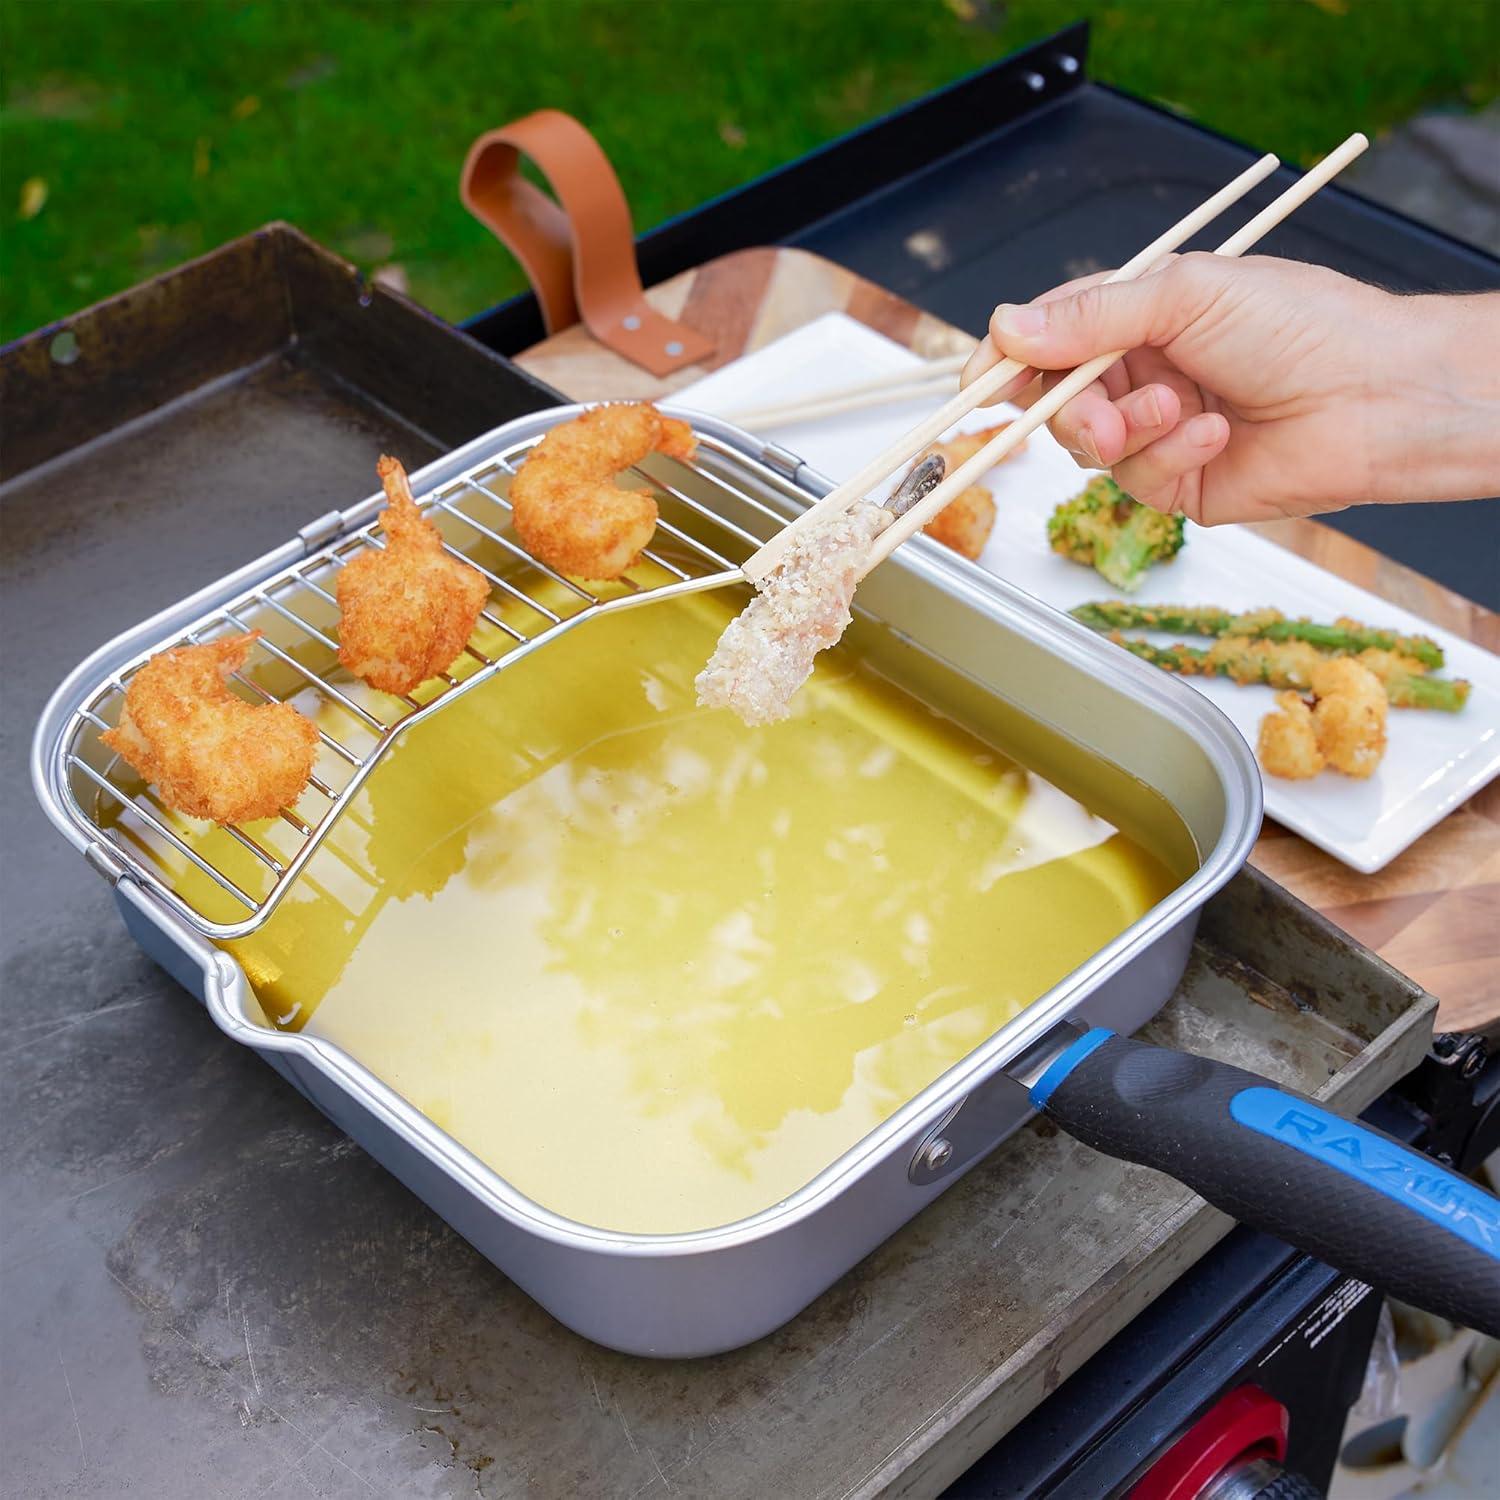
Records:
x=658, y=970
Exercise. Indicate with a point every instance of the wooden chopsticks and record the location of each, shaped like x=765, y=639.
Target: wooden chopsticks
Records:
x=992, y=381
x=981, y=390
x=1045, y=407
x=927, y=379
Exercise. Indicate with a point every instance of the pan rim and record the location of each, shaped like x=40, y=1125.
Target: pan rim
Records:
x=225, y=988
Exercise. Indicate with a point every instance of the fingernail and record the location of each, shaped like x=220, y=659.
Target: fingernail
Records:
x=1202, y=431
x=1148, y=408
x=1021, y=321
x=1089, y=446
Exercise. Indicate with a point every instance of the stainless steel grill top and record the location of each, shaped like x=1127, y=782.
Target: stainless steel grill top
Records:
x=226, y=882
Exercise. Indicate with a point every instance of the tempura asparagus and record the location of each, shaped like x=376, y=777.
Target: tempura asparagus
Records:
x=1344, y=637
x=1289, y=665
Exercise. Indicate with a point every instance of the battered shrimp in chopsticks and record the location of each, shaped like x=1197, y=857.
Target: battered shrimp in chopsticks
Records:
x=567, y=508
x=208, y=752
x=962, y=446
x=965, y=522
x=801, y=607
x=408, y=609
x=767, y=651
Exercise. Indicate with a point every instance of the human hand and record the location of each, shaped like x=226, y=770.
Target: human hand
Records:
x=1259, y=388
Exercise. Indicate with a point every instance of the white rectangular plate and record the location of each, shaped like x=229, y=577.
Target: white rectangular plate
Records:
x=1435, y=760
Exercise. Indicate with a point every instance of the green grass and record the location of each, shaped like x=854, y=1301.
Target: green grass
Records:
x=163, y=129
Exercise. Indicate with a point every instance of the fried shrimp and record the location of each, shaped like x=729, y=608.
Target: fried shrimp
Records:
x=1349, y=715
x=1288, y=743
x=962, y=446
x=1343, y=727
x=209, y=753
x=408, y=609
x=567, y=508
x=965, y=523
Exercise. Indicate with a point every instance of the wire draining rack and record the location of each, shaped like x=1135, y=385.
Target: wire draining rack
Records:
x=227, y=881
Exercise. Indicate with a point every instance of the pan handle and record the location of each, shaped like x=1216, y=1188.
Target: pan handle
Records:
x=1281, y=1163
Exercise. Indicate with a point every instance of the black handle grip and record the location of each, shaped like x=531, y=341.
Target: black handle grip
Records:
x=1349, y=1195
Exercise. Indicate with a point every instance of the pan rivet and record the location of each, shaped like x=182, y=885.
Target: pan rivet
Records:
x=631, y=322
x=937, y=1154
x=674, y=348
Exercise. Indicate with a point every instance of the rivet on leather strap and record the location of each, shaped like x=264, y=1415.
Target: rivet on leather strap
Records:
x=579, y=250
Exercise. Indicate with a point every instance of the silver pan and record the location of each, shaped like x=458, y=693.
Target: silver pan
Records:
x=707, y=1291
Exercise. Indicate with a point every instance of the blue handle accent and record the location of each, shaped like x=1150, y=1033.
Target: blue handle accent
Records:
x=1065, y=1062
x=1404, y=1176
x=1345, y=1193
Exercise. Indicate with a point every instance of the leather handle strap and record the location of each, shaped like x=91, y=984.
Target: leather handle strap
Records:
x=578, y=250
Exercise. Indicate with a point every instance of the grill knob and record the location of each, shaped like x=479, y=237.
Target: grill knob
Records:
x=1259, y=1479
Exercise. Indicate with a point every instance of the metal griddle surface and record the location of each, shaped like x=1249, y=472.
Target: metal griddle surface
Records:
x=269, y=358
x=209, y=1290
x=187, y=494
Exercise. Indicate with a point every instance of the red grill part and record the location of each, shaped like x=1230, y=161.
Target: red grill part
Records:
x=1246, y=1423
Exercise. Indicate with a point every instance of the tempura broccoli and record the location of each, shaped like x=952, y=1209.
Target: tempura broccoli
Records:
x=1118, y=537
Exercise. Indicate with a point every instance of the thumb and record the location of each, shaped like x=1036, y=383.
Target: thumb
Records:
x=1059, y=332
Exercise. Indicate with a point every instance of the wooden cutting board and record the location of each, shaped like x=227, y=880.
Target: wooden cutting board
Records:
x=1434, y=913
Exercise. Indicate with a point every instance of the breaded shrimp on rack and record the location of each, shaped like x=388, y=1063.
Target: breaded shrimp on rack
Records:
x=208, y=752
x=568, y=510
x=408, y=609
